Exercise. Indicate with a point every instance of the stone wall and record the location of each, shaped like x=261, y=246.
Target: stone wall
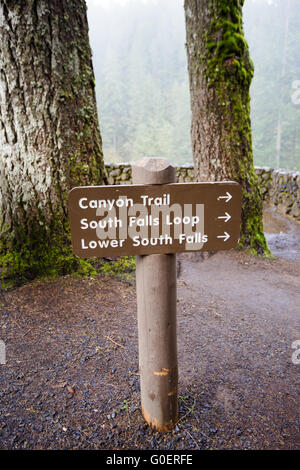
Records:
x=282, y=189
x=279, y=187
x=120, y=173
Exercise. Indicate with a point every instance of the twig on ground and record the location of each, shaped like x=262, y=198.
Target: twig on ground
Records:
x=193, y=439
x=118, y=344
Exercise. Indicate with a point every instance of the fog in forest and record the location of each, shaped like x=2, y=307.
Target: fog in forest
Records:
x=142, y=80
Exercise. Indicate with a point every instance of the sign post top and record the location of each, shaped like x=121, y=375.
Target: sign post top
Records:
x=153, y=170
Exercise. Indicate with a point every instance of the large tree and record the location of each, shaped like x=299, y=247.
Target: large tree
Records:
x=220, y=73
x=49, y=134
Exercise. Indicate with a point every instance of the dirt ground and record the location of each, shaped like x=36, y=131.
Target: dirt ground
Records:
x=71, y=378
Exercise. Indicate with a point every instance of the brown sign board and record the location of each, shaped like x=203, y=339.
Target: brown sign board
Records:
x=154, y=219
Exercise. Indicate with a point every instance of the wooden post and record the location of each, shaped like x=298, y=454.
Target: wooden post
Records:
x=156, y=307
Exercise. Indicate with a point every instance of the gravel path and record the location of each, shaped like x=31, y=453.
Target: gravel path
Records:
x=71, y=378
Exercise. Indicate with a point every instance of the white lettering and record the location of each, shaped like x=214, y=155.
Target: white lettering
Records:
x=81, y=203
x=93, y=244
x=105, y=203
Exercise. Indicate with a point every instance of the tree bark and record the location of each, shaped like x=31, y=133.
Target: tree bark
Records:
x=49, y=133
x=220, y=73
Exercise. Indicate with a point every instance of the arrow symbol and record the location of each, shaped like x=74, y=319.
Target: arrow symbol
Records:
x=226, y=236
x=226, y=217
x=227, y=197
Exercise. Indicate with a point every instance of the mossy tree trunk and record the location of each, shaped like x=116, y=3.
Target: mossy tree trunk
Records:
x=49, y=133
x=220, y=73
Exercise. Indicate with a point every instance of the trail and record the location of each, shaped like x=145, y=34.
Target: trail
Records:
x=71, y=379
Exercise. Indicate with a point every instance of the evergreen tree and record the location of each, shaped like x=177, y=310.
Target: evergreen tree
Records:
x=49, y=134
x=143, y=84
x=220, y=72
x=274, y=36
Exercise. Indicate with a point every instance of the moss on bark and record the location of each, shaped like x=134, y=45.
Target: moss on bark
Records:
x=49, y=137
x=221, y=72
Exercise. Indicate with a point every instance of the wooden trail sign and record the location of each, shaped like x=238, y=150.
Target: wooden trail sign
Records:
x=154, y=219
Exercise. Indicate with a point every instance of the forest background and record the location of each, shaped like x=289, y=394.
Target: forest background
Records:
x=142, y=85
